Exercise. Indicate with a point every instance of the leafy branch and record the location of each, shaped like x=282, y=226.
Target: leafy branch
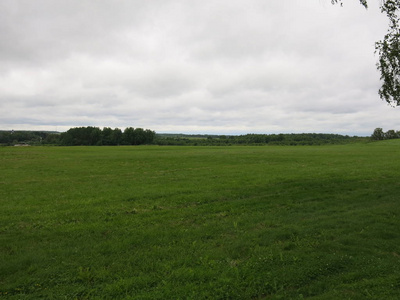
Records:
x=389, y=52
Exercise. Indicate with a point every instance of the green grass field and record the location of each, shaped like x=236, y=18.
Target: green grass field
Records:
x=151, y=222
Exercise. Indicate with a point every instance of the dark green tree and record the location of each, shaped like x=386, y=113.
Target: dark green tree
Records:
x=139, y=136
x=150, y=136
x=95, y=136
x=85, y=136
x=111, y=136
x=66, y=139
x=107, y=136
x=52, y=139
x=378, y=134
x=128, y=137
x=391, y=134
x=116, y=136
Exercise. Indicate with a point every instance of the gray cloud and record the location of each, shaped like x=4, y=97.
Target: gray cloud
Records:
x=189, y=66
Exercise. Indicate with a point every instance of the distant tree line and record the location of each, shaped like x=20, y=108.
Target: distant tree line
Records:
x=257, y=139
x=80, y=136
x=379, y=135
x=94, y=136
x=23, y=137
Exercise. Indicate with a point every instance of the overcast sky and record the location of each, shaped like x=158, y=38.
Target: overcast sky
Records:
x=189, y=66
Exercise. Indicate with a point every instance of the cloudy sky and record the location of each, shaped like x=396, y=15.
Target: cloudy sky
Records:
x=189, y=66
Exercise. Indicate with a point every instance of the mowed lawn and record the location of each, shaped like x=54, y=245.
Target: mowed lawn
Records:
x=150, y=222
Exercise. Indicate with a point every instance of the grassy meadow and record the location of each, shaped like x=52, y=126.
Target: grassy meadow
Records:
x=151, y=222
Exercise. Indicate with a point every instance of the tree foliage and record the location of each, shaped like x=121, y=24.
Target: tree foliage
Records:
x=363, y=2
x=25, y=137
x=379, y=135
x=284, y=139
x=389, y=52
x=389, y=55
x=94, y=136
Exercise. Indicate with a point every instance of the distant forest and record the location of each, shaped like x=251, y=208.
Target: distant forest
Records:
x=254, y=139
x=80, y=136
x=94, y=136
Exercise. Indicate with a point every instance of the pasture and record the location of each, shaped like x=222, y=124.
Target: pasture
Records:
x=151, y=222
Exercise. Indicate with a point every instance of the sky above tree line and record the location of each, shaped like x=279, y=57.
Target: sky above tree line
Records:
x=187, y=66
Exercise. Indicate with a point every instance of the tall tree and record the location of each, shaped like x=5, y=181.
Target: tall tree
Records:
x=128, y=136
x=389, y=55
x=378, y=134
x=117, y=136
x=107, y=136
x=389, y=52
